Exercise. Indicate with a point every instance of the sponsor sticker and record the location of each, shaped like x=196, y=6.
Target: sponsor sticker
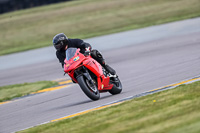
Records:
x=76, y=58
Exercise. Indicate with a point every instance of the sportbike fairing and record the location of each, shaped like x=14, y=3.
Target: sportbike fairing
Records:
x=89, y=74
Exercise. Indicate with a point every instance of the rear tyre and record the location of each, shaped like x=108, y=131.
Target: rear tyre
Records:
x=90, y=90
x=117, y=86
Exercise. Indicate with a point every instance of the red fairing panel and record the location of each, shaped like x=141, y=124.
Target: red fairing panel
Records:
x=93, y=66
x=74, y=62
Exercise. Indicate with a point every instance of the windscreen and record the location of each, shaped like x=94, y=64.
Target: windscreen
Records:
x=70, y=52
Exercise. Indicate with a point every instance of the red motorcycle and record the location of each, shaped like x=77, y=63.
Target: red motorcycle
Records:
x=90, y=75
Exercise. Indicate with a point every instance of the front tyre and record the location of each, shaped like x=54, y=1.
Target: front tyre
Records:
x=89, y=89
x=117, y=86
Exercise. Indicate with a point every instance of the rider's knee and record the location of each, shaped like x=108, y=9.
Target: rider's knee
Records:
x=97, y=55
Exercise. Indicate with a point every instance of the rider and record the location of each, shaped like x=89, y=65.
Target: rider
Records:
x=61, y=42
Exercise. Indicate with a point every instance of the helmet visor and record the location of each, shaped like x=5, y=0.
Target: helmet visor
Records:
x=59, y=45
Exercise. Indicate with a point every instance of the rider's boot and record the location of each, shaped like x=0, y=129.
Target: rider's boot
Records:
x=109, y=69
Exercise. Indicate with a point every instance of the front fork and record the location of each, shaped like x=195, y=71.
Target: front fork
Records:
x=89, y=78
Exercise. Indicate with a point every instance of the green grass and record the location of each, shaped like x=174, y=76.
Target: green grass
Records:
x=175, y=111
x=34, y=28
x=12, y=91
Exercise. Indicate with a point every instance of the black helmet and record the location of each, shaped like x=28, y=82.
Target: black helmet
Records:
x=60, y=41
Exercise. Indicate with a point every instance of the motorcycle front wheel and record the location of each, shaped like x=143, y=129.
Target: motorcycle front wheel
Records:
x=89, y=89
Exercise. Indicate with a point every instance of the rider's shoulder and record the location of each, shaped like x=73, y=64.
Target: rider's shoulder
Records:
x=75, y=40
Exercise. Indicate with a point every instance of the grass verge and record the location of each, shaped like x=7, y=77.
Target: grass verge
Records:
x=171, y=111
x=34, y=28
x=13, y=91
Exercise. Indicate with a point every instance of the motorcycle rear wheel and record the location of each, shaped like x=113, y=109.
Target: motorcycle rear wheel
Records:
x=87, y=88
x=117, y=87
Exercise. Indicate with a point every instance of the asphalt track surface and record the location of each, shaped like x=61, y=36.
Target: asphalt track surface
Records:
x=141, y=68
